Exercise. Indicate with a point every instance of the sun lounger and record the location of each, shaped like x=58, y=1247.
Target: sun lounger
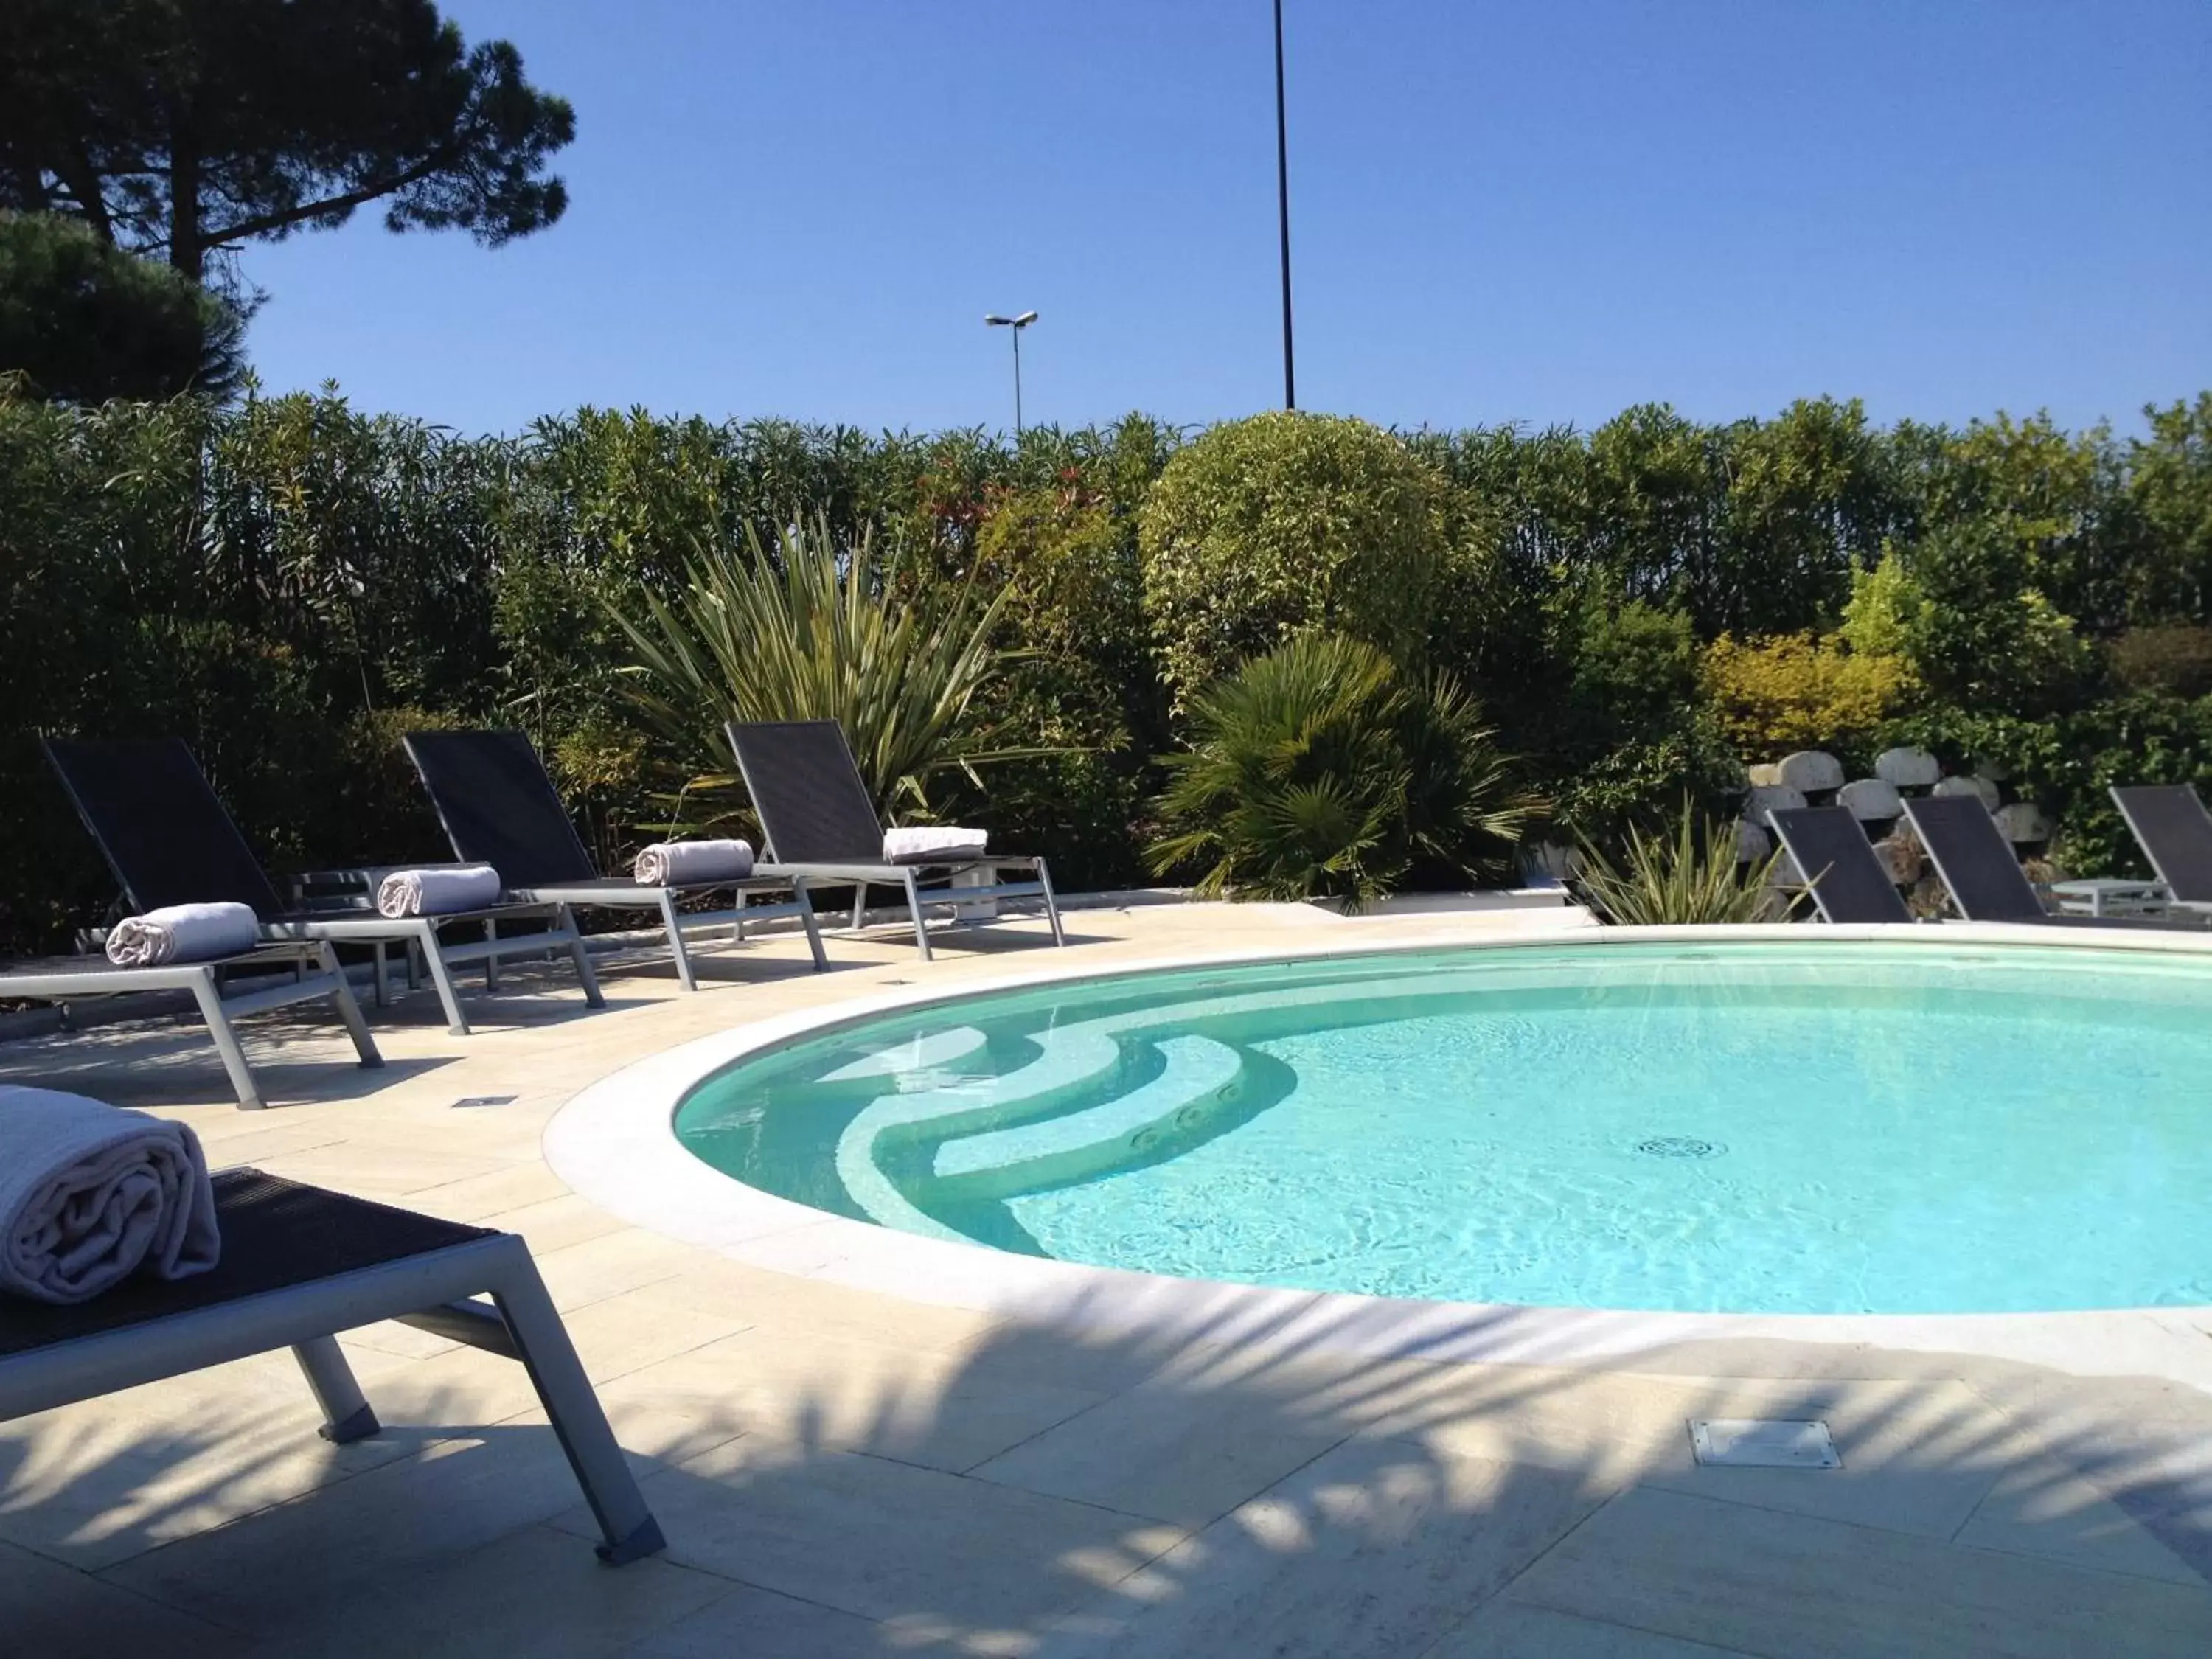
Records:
x=298, y=1265
x=2171, y=825
x=1845, y=874
x=168, y=839
x=1977, y=863
x=499, y=807
x=309, y=970
x=818, y=823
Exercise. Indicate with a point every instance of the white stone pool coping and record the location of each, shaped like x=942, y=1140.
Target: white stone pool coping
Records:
x=615, y=1143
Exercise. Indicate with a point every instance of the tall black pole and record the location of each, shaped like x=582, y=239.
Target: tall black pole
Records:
x=1016, y=333
x=1283, y=210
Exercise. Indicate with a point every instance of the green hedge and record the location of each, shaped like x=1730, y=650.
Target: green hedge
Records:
x=290, y=582
x=1288, y=523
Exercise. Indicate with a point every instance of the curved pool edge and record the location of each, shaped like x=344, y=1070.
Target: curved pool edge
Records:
x=615, y=1144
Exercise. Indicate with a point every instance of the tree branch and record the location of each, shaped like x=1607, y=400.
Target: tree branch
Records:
x=81, y=180
x=353, y=198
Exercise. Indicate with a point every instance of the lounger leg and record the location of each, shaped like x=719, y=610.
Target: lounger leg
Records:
x=349, y=1009
x=226, y=1041
x=565, y=917
x=913, y=909
x=860, y=906
x=574, y=1410
x=1051, y=904
x=806, y=920
x=442, y=979
x=676, y=940
x=492, y=962
x=347, y=1416
x=376, y=989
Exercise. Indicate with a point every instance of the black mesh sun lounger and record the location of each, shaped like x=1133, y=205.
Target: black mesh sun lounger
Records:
x=819, y=824
x=1840, y=866
x=299, y=1265
x=299, y=970
x=1976, y=863
x=499, y=807
x=168, y=839
x=2171, y=825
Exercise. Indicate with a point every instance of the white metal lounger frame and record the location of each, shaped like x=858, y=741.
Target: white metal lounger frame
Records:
x=433, y=1290
x=2165, y=894
x=420, y=934
x=812, y=790
x=88, y=773
x=611, y=896
x=676, y=923
x=499, y=806
x=908, y=877
x=202, y=980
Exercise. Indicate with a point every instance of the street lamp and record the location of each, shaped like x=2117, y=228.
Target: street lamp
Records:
x=1017, y=324
x=1283, y=209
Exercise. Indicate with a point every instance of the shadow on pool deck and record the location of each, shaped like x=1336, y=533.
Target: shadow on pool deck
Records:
x=839, y=1474
x=844, y=1473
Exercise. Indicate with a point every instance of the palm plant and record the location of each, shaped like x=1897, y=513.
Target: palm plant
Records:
x=1690, y=875
x=818, y=629
x=1319, y=771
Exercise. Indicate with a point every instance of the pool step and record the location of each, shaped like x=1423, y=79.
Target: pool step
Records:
x=917, y=1057
x=1078, y=1146
x=1067, y=1059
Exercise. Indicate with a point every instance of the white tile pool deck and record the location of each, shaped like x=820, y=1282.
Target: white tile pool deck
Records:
x=845, y=1473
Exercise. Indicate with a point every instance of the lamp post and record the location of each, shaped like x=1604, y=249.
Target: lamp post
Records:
x=1283, y=210
x=1017, y=324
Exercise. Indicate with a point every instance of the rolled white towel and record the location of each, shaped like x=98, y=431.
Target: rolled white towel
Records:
x=933, y=843
x=437, y=892
x=182, y=932
x=89, y=1194
x=673, y=863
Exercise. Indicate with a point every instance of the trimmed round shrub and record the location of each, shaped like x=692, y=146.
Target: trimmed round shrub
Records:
x=1286, y=524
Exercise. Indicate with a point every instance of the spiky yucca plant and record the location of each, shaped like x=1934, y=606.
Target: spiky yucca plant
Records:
x=1321, y=770
x=818, y=629
x=1687, y=876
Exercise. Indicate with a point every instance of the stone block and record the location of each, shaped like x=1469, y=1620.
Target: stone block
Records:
x=1810, y=771
x=1870, y=800
x=1981, y=787
x=1907, y=768
x=1770, y=797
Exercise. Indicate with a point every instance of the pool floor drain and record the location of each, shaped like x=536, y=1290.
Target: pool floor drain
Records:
x=1679, y=1146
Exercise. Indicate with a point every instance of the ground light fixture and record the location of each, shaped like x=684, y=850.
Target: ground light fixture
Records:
x=1017, y=324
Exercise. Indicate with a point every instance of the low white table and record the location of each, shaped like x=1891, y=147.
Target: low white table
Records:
x=2107, y=895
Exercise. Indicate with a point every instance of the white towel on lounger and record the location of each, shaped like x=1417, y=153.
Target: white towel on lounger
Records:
x=674, y=862
x=933, y=843
x=90, y=1194
x=437, y=892
x=182, y=932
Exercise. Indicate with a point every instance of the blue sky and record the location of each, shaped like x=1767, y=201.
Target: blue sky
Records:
x=1500, y=212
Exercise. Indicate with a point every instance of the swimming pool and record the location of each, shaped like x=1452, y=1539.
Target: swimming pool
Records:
x=1830, y=1126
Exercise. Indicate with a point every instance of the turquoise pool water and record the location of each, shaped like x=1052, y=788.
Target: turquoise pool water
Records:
x=1825, y=1128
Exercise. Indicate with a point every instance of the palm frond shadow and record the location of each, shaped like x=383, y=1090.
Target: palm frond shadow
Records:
x=1112, y=1479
